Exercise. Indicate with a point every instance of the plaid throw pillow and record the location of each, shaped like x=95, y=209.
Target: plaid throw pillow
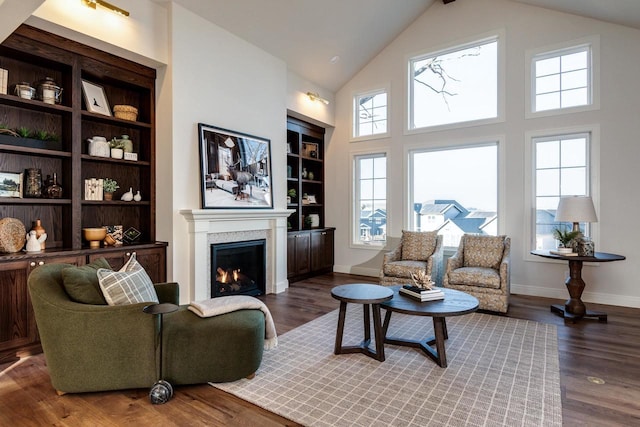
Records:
x=130, y=285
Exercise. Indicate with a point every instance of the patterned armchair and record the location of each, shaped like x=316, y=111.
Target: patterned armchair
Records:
x=418, y=251
x=480, y=267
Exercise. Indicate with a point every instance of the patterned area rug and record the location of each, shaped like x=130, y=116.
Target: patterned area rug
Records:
x=501, y=372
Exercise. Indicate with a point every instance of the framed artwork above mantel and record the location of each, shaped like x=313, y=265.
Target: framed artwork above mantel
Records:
x=235, y=169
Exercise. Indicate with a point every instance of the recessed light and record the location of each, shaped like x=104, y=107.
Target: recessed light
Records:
x=334, y=59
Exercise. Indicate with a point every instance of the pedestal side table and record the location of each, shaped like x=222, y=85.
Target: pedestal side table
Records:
x=162, y=391
x=369, y=296
x=574, y=309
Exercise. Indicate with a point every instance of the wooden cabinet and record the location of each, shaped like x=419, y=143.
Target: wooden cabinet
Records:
x=309, y=253
x=298, y=254
x=151, y=257
x=18, y=332
x=309, y=244
x=322, y=251
x=30, y=55
x=57, y=144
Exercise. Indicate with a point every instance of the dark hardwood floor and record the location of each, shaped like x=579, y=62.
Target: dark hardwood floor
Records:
x=609, y=352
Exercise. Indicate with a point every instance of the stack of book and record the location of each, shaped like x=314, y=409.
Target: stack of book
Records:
x=422, y=294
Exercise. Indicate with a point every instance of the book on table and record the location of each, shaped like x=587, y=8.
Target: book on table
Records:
x=422, y=294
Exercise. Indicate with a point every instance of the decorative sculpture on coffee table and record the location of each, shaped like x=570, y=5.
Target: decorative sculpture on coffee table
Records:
x=422, y=280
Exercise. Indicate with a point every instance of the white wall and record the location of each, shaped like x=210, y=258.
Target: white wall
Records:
x=221, y=80
x=526, y=28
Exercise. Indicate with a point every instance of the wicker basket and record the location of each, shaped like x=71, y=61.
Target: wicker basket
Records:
x=12, y=235
x=125, y=112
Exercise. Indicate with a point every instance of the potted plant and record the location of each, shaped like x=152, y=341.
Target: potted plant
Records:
x=565, y=238
x=109, y=186
x=117, y=148
x=291, y=194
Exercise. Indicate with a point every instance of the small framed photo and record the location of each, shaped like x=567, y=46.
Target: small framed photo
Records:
x=310, y=149
x=95, y=98
x=11, y=184
x=311, y=199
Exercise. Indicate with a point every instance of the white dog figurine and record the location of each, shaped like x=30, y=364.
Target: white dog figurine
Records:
x=33, y=242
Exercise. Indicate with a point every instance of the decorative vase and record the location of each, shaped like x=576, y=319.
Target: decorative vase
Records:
x=98, y=146
x=128, y=196
x=39, y=229
x=289, y=171
x=304, y=173
x=315, y=220
x=54, y=191
x=128, y=144
x=310, y=175
x=137, y=197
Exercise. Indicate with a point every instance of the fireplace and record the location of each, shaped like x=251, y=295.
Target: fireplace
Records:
x=238, y=268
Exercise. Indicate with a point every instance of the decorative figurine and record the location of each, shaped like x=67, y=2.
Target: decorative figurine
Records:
x=128, y=196
x=33, y=242
x=137, y=197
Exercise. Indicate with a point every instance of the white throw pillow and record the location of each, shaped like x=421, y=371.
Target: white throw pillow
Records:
x=130, y=285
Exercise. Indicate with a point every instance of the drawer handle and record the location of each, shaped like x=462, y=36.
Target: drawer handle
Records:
x=41, y=263
x=324, y=233
x=33, y=264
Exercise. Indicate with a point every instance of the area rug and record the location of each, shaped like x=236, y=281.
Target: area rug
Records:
x=501, y=372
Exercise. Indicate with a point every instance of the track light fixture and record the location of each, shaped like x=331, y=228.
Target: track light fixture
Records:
x=93, y=3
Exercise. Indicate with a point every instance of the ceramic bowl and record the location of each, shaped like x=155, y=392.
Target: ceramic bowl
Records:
x=94, y=236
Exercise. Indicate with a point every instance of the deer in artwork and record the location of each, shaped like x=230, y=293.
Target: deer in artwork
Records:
x=242, y=178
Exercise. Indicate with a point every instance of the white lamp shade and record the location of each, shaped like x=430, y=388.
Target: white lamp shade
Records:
x=576, y=209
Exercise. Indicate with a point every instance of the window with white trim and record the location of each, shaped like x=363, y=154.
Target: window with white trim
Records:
x=454, y=190
x=561, y=168
x=562, y=79
x=370, y=201
x=455, y=85
x=370, y=116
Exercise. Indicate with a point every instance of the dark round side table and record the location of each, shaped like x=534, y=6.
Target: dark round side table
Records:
x=573, y=308
x=369, y=296
x=162, y=391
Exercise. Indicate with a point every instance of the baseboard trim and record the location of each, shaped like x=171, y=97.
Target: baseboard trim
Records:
x=534, y=291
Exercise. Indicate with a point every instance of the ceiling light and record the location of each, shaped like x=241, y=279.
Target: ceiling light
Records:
x=315, y=97
x=334, y=59
x=93, y=3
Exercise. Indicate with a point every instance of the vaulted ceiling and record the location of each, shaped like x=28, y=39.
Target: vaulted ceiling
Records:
x=328, y=41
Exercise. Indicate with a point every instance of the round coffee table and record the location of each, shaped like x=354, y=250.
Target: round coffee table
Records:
x=455, y=303
x=367, y=295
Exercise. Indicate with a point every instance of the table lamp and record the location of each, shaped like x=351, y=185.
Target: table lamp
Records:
x=576, y=209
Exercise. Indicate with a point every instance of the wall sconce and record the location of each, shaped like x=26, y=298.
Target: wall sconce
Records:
x=315, y=97
x=93, y=3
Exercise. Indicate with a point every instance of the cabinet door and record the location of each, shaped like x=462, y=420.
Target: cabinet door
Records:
x=322, y=250
x=152, y=259
x=18, y=332
x=298, y=257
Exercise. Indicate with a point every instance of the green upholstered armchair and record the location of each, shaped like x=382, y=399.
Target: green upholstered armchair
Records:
x=100, y=347
x=419, y=251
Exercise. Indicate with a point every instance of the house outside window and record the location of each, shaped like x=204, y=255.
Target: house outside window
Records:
x=561, y=168
x=454, y=190
x=370, y=115
x=455, y=85
x=370, y=201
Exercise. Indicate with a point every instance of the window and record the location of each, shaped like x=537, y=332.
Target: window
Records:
x=370, y=209
x=455, y=191
x=561, y=79
x=454, y=85
x=370, y=114
x=561, y=168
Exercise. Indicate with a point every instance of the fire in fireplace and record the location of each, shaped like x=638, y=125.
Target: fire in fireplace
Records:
x=238, y=268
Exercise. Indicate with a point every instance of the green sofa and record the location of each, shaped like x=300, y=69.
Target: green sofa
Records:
x=100, y=347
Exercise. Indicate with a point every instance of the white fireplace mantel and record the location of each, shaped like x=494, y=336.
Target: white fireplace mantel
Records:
x=206, y=222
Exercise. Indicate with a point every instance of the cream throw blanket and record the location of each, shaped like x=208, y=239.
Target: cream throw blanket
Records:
x=216, y=306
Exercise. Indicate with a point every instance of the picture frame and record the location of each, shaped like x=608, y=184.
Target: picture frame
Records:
x=95, y=98
x=311, y=198
x=310, y=149
x=11, y=184
x=235, y=169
